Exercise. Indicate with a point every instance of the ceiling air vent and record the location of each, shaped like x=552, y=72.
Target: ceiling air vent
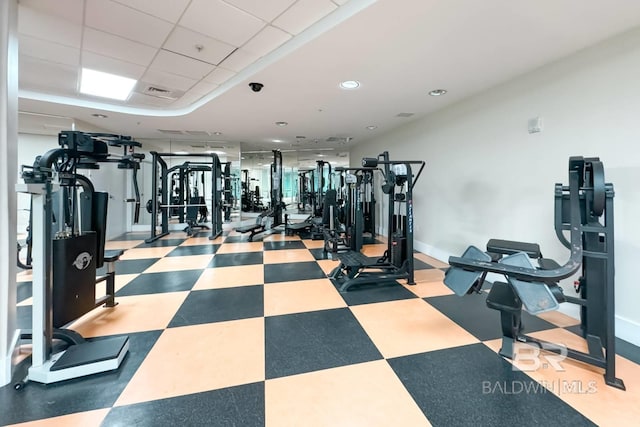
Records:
x=171, y=131
x=404, y=114
x=197, y=132
x=158, y=91
x=340, y=139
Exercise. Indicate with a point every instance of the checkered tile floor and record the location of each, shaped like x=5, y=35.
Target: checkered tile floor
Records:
x=233, y=333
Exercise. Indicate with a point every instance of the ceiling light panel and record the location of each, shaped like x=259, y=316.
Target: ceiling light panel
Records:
x=47, y=76
x=168, y=80
x=266, y=40
x=167, y=10
x=111, y=65
x=36, y=24
x=69, y=10
x=221, y=21
x=184, y=42
x=117, y=47
x=180, y=65
x=265, y=10
x=239, y=60
x=106, y=85
x=303, y=14
x=48, y=51
x=129, y=23
x=219, y=76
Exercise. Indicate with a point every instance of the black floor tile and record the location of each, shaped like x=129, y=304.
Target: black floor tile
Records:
x=292, y=272
x=237, y=239
x=472, y=313
x=375, y=292
x=24, y=290
x=36, y=401
x=305, y=342
x=368, y=240
x=229, y=260
x=153, y=283
x=131, y=236
x=473, y=386
x=194, y=250
x=234, y=406
x=219, y=305
x=162, y=243
x=420, y=265
x=288, y=244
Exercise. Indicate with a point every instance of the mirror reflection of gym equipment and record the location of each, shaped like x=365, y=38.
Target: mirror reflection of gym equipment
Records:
x=195, y=212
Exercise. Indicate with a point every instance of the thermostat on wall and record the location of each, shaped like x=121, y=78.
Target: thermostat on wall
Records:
x=535, y=125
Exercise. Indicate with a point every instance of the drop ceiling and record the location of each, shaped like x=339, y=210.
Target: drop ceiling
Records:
x=205, y=52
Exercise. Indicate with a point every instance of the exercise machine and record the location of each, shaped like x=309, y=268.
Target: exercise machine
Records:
x=159, y=204
x=306, y=191
x=68, y=236
x=271, y=219
x=396, y=263
x=584, y=209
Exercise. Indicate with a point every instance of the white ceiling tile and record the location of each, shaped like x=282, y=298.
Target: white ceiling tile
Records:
x=45, y=76
x=219, y=76
x=144, y=100
x=203, y=88
x=48, y=51
x=184, y=41
x=125, y=22
x=266, y=40
x=69, y=10
x=265, y=10
x=180, y=65
x=221, y=21
x=110, y=65
x=37, y=24
x=168, y=10
x=168, y=80
x=117, y=47
x=239, y=60
x=303, y=14
x=188, y=99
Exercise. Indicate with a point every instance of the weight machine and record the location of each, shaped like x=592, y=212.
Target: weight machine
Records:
x=306, y=191
x=397, y=261
x=65, y=260
x=160, y=171
x=272, y=217
x=584, y=208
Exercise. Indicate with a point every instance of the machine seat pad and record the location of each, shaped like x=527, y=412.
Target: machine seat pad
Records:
x=510, y=247
x=248, y=228
x=113, y=255
x=503, y=298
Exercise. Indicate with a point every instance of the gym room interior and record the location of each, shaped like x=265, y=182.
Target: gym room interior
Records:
x=310, y=212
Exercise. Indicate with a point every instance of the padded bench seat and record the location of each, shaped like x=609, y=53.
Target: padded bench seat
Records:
x=113, y=255
x=510, y=247
x=248, y=228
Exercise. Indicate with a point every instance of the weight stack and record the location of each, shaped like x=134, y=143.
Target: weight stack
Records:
x=398, y=250
x=74, y=277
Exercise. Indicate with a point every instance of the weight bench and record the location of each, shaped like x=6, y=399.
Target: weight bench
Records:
x=258, y=227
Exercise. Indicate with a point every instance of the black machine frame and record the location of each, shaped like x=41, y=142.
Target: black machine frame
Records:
x=579, y=208
x=160, y=171
x=397, y=261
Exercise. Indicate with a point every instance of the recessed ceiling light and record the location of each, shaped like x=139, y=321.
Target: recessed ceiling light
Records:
x=372, y=127
x=180, y=152
x=320, y=155
x=437, y=92
x=277, y=140
x=106, y=85
x=281, y=124
x=349, y=84
x=100, y=116
x=217, y=133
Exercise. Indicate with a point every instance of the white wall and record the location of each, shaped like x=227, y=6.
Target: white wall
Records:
x=486, y=176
